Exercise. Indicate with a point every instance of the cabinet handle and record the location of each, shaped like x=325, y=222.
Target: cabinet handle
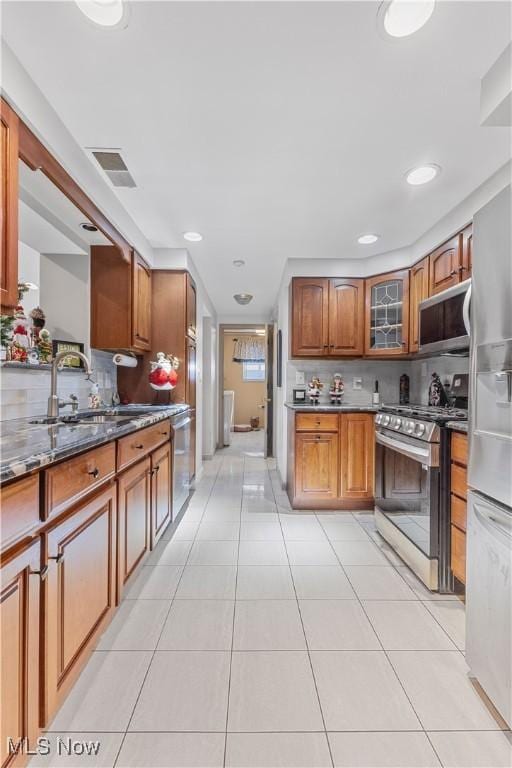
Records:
x=94, y=472
x=139, y=446
x=43, y=573
x=58, y=558
x=453, y=272
x=164, y=433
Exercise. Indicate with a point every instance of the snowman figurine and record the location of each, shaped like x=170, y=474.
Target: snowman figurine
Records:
x=337, y=389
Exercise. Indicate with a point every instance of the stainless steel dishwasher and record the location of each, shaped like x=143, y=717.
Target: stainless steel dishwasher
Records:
x=181, y=476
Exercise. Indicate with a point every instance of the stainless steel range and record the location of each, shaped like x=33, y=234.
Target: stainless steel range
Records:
x=411, y=509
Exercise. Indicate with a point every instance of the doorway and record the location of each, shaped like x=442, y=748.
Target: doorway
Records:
x=245, y=412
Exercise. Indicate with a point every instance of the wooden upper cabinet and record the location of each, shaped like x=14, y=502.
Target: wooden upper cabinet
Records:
x=9, y=127
x=418, y=290
x=467, y=253
x=346, y=317
x=141, y=310
x=310, y=317
x=387, y=314
x=316, y=468
x=191, y=310
x=445, y=263
x=120, y=300
x=357, y=452
x=19, y=636
x=80, y=591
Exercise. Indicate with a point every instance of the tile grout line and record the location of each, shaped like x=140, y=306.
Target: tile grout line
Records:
x=158, y=640
x=307, y=649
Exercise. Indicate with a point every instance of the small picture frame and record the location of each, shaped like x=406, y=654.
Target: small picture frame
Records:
x=71, y=361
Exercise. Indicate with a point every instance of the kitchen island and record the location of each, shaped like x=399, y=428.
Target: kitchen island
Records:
x=331, y=459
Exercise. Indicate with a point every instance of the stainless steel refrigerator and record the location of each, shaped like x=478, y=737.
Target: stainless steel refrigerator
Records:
x=489, y=533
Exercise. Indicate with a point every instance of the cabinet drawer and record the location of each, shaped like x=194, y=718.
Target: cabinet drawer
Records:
x=19, y=510
x=459, y=448
x=69, y=481
x=133, y=447
x=458, y=554
x=316, y=422
x=459, y=480
x=458, y=510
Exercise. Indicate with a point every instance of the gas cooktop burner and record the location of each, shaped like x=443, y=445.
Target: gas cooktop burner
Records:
x=428, y=412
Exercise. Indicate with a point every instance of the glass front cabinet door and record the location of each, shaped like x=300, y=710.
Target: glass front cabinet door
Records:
x=387, y=314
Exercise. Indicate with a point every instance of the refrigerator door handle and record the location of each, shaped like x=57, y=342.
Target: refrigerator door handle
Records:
x=465, y=311
x=493, y=517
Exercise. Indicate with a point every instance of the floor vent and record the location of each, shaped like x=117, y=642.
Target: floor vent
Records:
x=115, y=168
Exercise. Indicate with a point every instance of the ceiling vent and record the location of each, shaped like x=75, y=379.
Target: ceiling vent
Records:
x=111, y=162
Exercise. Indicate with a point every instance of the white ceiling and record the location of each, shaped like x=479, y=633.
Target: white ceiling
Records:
x=276, y=129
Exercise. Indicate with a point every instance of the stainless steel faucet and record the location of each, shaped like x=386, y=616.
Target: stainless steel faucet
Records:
x=53, y=401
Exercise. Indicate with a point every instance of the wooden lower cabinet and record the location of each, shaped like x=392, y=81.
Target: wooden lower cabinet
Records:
x=333, y=457
x=316, y=468
x=134, y=507
x=357, y=440
x=19, y=636
x=161, y=491
x=458, y=504
x=79, y=592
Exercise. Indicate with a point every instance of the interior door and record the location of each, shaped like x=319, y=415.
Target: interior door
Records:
x=310, y=317
x=346, y=317
x=445, y=264
x=269, y=410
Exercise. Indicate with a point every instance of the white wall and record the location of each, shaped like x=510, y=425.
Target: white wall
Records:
x=29, y=262
x=65, y=296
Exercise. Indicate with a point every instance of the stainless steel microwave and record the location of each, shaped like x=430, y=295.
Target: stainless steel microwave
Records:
x=444, y=320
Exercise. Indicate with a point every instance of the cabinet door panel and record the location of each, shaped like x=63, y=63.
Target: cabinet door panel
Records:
x=80, y=590
x=191, y=308
x=161, y=491
x=357, y=455
x=9, y=124
x=134, y=521
x=310, y=317
x=467, y=253
x=387, y=315
x=316, y=467
x=141, y=303
x=418, y=292
x=445, y=263
x=346, y=317
x=19, y=638
x=190, y=383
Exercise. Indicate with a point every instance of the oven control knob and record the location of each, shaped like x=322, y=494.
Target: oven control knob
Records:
x=409, y=425
x=386, y=419
x=398, y=422
x=419, y=429
x=378, y=418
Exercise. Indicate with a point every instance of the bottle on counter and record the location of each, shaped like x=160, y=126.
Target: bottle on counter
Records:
x=376, y=396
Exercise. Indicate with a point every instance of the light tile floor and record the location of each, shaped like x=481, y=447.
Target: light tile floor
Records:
x=260, y=637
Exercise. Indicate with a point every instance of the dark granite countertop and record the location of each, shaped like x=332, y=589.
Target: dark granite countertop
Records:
x=458, y=426
x=26, y=446
x=327, y=407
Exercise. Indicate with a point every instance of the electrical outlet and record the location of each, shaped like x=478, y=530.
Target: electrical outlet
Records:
x=300, y=379
x=357, y=383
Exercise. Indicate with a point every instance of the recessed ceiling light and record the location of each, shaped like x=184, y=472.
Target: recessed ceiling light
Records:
x=88, y=226
x=401, y=18
x=110, y=14
x=243, y=298
x=367, y=239
x=238, y=263
x=193, y=237
x=422, y=174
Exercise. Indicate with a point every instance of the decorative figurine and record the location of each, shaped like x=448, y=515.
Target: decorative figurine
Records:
x=404, y=389
x=44, y=346
x=20, y=340
x=337, y=389
x=163, y=374
x=315, y=387
x=38, y=320
x=436, y=392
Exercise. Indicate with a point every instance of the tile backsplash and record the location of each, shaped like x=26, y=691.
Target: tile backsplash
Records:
x=422, y=370
x=387, y=373
x=25, y=392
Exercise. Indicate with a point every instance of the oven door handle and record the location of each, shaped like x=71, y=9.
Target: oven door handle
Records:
x=411, y=451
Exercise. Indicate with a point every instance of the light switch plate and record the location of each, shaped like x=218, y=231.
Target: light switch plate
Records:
x=300, y=379
x=357, y=383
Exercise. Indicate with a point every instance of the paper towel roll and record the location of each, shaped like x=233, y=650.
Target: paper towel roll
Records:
x=128, y=361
